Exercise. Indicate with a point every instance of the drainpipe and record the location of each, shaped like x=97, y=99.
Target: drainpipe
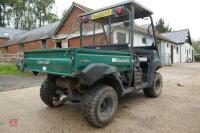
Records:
x=180, y=54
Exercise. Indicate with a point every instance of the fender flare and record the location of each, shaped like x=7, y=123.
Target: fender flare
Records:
x=98, y=72
x=156, y=66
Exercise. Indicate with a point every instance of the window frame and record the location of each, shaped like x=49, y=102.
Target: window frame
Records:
x=145, y=40
x=122, y=33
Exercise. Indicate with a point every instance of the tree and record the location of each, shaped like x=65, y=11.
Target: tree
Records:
x=42, y=11
x=26, y=14
x=161, y=27
x=196, y=45
x=5, y=10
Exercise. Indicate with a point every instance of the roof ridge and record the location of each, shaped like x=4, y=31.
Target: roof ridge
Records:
x=175, y=31
x=44, y=25
x=82, y=6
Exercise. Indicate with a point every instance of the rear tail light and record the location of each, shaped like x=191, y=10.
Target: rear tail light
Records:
x=119, y=10
x=85, y=19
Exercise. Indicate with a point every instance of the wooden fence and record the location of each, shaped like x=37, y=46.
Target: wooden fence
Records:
x=10, y=57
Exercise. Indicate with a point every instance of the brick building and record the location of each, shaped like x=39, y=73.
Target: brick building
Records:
x=5, y=35
x=29, y=40
x=57, y=35
x=68, y=32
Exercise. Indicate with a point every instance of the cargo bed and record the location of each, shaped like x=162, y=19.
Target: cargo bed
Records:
x=67, y=62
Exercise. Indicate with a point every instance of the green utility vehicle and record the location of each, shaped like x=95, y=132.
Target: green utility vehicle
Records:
x=99, y=75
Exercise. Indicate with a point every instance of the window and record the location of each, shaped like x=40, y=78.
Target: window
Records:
x=177, y=49
x=121, y=37
x=144, y=40
x=5, y=49
x=58, y=45
x=168, y=45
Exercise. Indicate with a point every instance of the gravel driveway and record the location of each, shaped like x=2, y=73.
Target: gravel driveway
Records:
x=12, y=82
x=177, y=110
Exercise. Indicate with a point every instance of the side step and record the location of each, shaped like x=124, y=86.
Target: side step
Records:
x=136, y=88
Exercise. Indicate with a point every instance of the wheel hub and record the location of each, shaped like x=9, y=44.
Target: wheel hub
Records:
x=106, y=107
x=157, y=85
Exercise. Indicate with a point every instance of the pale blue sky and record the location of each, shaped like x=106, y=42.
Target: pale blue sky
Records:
x=180, y=14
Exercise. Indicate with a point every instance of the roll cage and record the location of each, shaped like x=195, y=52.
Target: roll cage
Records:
x=126, y=12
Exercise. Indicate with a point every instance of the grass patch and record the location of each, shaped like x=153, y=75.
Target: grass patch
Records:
x=12, y=69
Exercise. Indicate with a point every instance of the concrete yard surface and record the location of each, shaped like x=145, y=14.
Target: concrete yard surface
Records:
x=176, y=110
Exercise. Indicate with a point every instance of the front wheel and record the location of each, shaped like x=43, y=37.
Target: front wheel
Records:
x=99, y=105
x=156, y=88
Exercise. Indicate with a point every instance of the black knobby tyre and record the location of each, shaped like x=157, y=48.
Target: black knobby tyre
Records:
x=156, y=88
x=47, y=93
x=99, y=105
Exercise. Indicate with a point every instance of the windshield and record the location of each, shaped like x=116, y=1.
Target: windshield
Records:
x=143, y=32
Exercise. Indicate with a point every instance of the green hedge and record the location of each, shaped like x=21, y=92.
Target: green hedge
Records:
x=197, y=58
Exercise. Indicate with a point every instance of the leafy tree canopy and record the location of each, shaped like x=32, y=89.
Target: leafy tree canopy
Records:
x=161, y=27
x=196, y=45
x=26, y=14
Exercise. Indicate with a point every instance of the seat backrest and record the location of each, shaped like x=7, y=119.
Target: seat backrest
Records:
x=112, y=47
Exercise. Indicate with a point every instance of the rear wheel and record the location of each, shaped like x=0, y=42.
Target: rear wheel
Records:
x=48, y=95
x=99, y=105
x=156, y=88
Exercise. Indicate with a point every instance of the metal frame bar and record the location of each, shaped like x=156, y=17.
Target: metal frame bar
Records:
x=94, y=33
x=81, y=32
x=131, y=26
x=154, y=35
x=110, y=32
x=105, y=33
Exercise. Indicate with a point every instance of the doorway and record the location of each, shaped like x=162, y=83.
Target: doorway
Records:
x=58, y=45
x=21, y=48
x=172, y=54
x=44, y=44
x=192, y=55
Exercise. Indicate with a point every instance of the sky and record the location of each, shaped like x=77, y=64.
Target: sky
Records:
x=179, y=14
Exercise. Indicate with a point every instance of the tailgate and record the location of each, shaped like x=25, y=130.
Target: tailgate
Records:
x=55, y=61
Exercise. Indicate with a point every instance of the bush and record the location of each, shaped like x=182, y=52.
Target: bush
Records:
x=197, y=58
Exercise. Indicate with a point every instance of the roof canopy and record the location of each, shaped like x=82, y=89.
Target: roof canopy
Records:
x=180, y=37
x=140, y=11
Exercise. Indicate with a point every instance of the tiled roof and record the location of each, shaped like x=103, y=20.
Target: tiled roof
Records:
x=43, y=32
x=178, y=36
x=8, y=32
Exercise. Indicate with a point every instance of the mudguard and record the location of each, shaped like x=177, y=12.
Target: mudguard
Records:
x=153, y=67
x=94, y=72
